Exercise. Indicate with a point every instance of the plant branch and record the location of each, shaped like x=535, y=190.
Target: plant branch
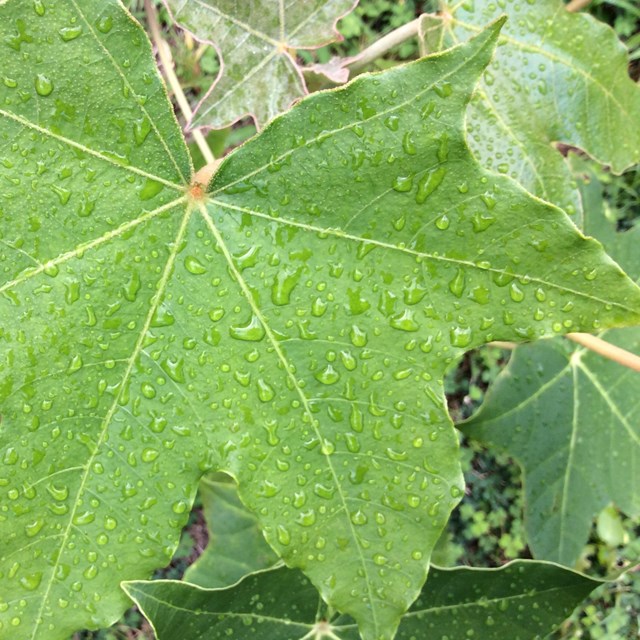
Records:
x=606, y=349
x=380, y=47
x=577, y=5
x=164, y=53
x=501, y=344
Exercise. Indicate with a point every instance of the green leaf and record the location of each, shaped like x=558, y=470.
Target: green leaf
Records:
x=256, y=43
x=556, y=77
x=291, y=328
x=565, y=415
x=570, y=418
x=523, y=600
x=236, y=545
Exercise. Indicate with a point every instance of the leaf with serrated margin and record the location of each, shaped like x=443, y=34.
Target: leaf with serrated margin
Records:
x=570, y=418
x=236, y=546
x=256, y=42
x=556, y=77
x=292, y=328
x=523, y=600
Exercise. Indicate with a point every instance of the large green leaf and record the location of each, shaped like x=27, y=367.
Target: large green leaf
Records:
x=236, y=546
x=523, y=600
x=556, y=77
x=571, y=419
x=291, y=328
x=256, y=43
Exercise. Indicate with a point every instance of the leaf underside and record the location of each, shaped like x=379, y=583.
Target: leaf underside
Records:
x=256, y=43
x=523, y=600
x=571, y=419
x=292, y=329
x=556, y=77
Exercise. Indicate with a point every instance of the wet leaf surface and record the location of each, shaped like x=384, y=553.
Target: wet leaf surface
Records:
x=291, y=328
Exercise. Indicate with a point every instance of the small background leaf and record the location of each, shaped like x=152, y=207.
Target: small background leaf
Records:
x=556, y=77
x=236, y=545
x=256, y=42
x=523, y=600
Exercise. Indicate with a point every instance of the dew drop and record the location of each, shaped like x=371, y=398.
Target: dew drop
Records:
x=408, y=144
x=31, y=581
x=429, y=183
x=252, y=332
x=70, y=33
x=442, y=222
x=105, y=24
x=194, y=266
x=403, y=184
x=460, y=336
x=265, y=391
x=44, y=86
x=359, y=518
x=328, y=375
x=457, y=284
x=284, y=537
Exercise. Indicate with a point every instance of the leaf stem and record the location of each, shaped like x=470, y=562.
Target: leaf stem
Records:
x=380, y=47
x=577, y=5
x=606, y=349
x=164, y=53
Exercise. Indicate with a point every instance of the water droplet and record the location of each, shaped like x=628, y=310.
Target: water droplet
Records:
x=179, y=507
x=75, y=364
x=322, y=491
x=31, y=581
x=141, y=129
x=429, y=183
x=150, y=189
x=105, y=24
x=328, y=375
x=70, y=33
x=306, y=518
x=194, y=266
x=457, y=284
x=516, y=293
x=44, y=86
x=359, y=518
x=149, y=455
x=253, y=331
x=396, y=456
x=265, y=391
x=392, y=123
x=442, y=222
x=460, y=336
x=481, y=221
x=284, y=537
x=403, y=183
x=63, y=194
x=444, y=90
x=408, y=144
x=405, y=321
x=284, y=283
x=38, y=5
x=33, y=528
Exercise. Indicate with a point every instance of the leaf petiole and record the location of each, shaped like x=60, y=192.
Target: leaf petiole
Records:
x=164, y=53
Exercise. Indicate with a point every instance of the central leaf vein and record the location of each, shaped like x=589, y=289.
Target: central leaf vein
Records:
x=303, y=398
